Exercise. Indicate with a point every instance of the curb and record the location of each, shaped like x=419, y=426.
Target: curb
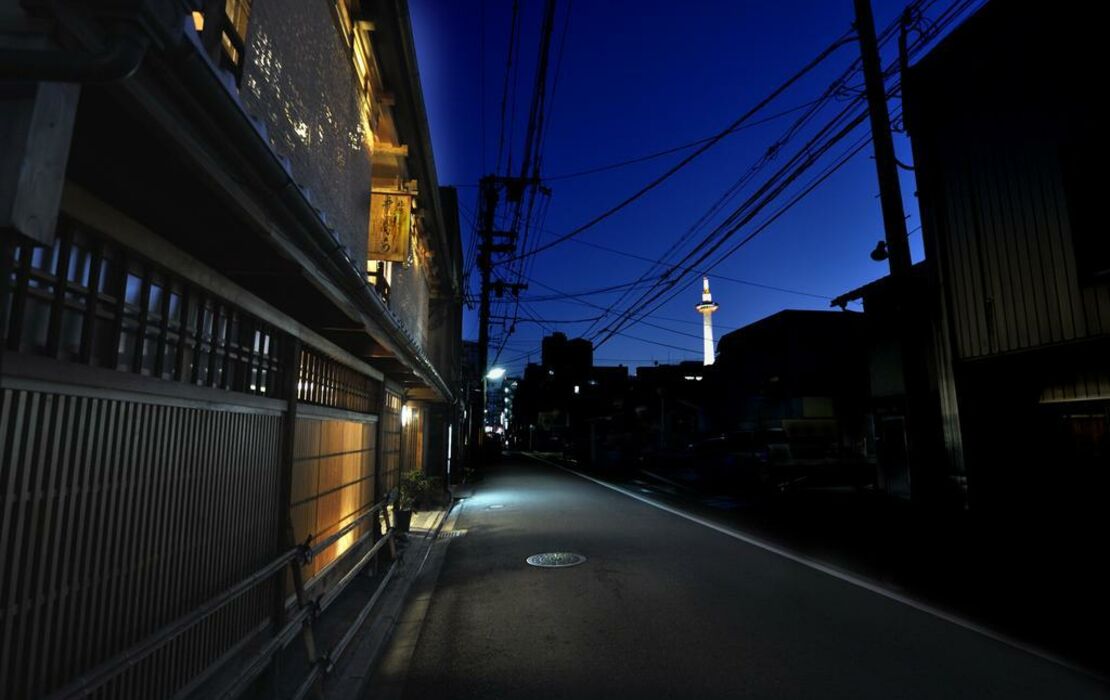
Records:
x=353, y=677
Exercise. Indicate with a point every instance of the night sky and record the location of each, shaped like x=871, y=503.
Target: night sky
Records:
x=636, y=78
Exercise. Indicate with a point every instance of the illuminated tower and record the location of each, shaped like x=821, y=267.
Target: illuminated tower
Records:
x=706, y=309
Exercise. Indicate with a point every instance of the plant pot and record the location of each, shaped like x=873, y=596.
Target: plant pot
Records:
x=401, y=520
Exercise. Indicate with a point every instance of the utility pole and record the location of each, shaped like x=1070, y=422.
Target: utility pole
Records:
x=490, y=186
x=488, y=196
x=488, y=192
x=490, y=241
x=910, y=314
x=890, y=189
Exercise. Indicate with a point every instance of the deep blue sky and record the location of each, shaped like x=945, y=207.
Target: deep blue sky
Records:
x=638, y=77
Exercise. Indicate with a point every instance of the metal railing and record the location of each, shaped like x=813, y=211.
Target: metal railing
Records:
x=301, y=620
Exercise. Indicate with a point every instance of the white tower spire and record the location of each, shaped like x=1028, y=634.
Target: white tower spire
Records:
x=706, y=309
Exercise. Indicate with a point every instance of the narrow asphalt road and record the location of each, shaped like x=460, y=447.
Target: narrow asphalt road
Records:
x=669, y=608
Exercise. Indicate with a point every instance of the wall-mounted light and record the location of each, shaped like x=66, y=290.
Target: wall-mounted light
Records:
x=880, y=252
x=406, y=414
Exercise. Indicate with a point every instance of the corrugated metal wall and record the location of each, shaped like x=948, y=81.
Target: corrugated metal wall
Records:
x=1008, y=254
x=1077, y=384
x=120, y=516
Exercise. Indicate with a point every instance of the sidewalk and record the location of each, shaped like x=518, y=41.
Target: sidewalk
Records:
x=350, y=677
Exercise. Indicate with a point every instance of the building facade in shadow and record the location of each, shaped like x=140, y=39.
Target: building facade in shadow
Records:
x=1013, y=298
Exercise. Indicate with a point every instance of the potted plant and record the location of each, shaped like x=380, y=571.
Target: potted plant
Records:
x=412, y=494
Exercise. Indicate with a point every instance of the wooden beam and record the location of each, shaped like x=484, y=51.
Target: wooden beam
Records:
x=36, y=124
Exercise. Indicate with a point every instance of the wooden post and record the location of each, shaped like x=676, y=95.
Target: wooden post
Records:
x=36, y=126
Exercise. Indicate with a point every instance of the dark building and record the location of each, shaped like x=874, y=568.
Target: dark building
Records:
x=800, y=377
x=229, y=312
x=543, y=398
x=1009, y=145
x=674, y=402
x=565, y=404
x=938, y=455
x=1013, y=302
x=571, y=359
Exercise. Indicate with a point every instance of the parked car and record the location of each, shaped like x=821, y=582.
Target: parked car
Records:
x=732, y=462
x=766, y=460
x=802, y=453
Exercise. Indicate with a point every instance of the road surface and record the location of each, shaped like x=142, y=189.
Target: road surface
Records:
x=669, y=608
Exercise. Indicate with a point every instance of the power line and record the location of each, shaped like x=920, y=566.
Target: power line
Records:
x=772, y=188
x=717, y=276
x=762, y=227
x=814, y=107
x=727, y=196
x=674, y=149
x=949, y=16
x=547, y=320
x=583, y=293
x=653, y=342
x=645, y=299
x=685, y=161
x=731, y=225
x=513, y=39
x=482, y=78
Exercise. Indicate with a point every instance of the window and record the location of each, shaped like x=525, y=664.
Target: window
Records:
x=356, y=30
x=233, y=36
x=380, y=276
x=223, y=29
x=90, y=301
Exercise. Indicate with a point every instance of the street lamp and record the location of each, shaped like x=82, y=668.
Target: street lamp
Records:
x=496, y=373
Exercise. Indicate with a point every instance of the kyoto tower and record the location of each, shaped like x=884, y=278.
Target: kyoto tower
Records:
x=706, y=309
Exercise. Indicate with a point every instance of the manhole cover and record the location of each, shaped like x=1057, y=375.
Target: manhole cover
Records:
x=555, y=560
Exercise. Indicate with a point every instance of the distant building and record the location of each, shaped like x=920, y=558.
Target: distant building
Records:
x=567, y=358
x=565, y=403
x=803, y=374
x=675, y=401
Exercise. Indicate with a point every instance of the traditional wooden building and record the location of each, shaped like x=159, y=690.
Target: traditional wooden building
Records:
x=230, y=318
